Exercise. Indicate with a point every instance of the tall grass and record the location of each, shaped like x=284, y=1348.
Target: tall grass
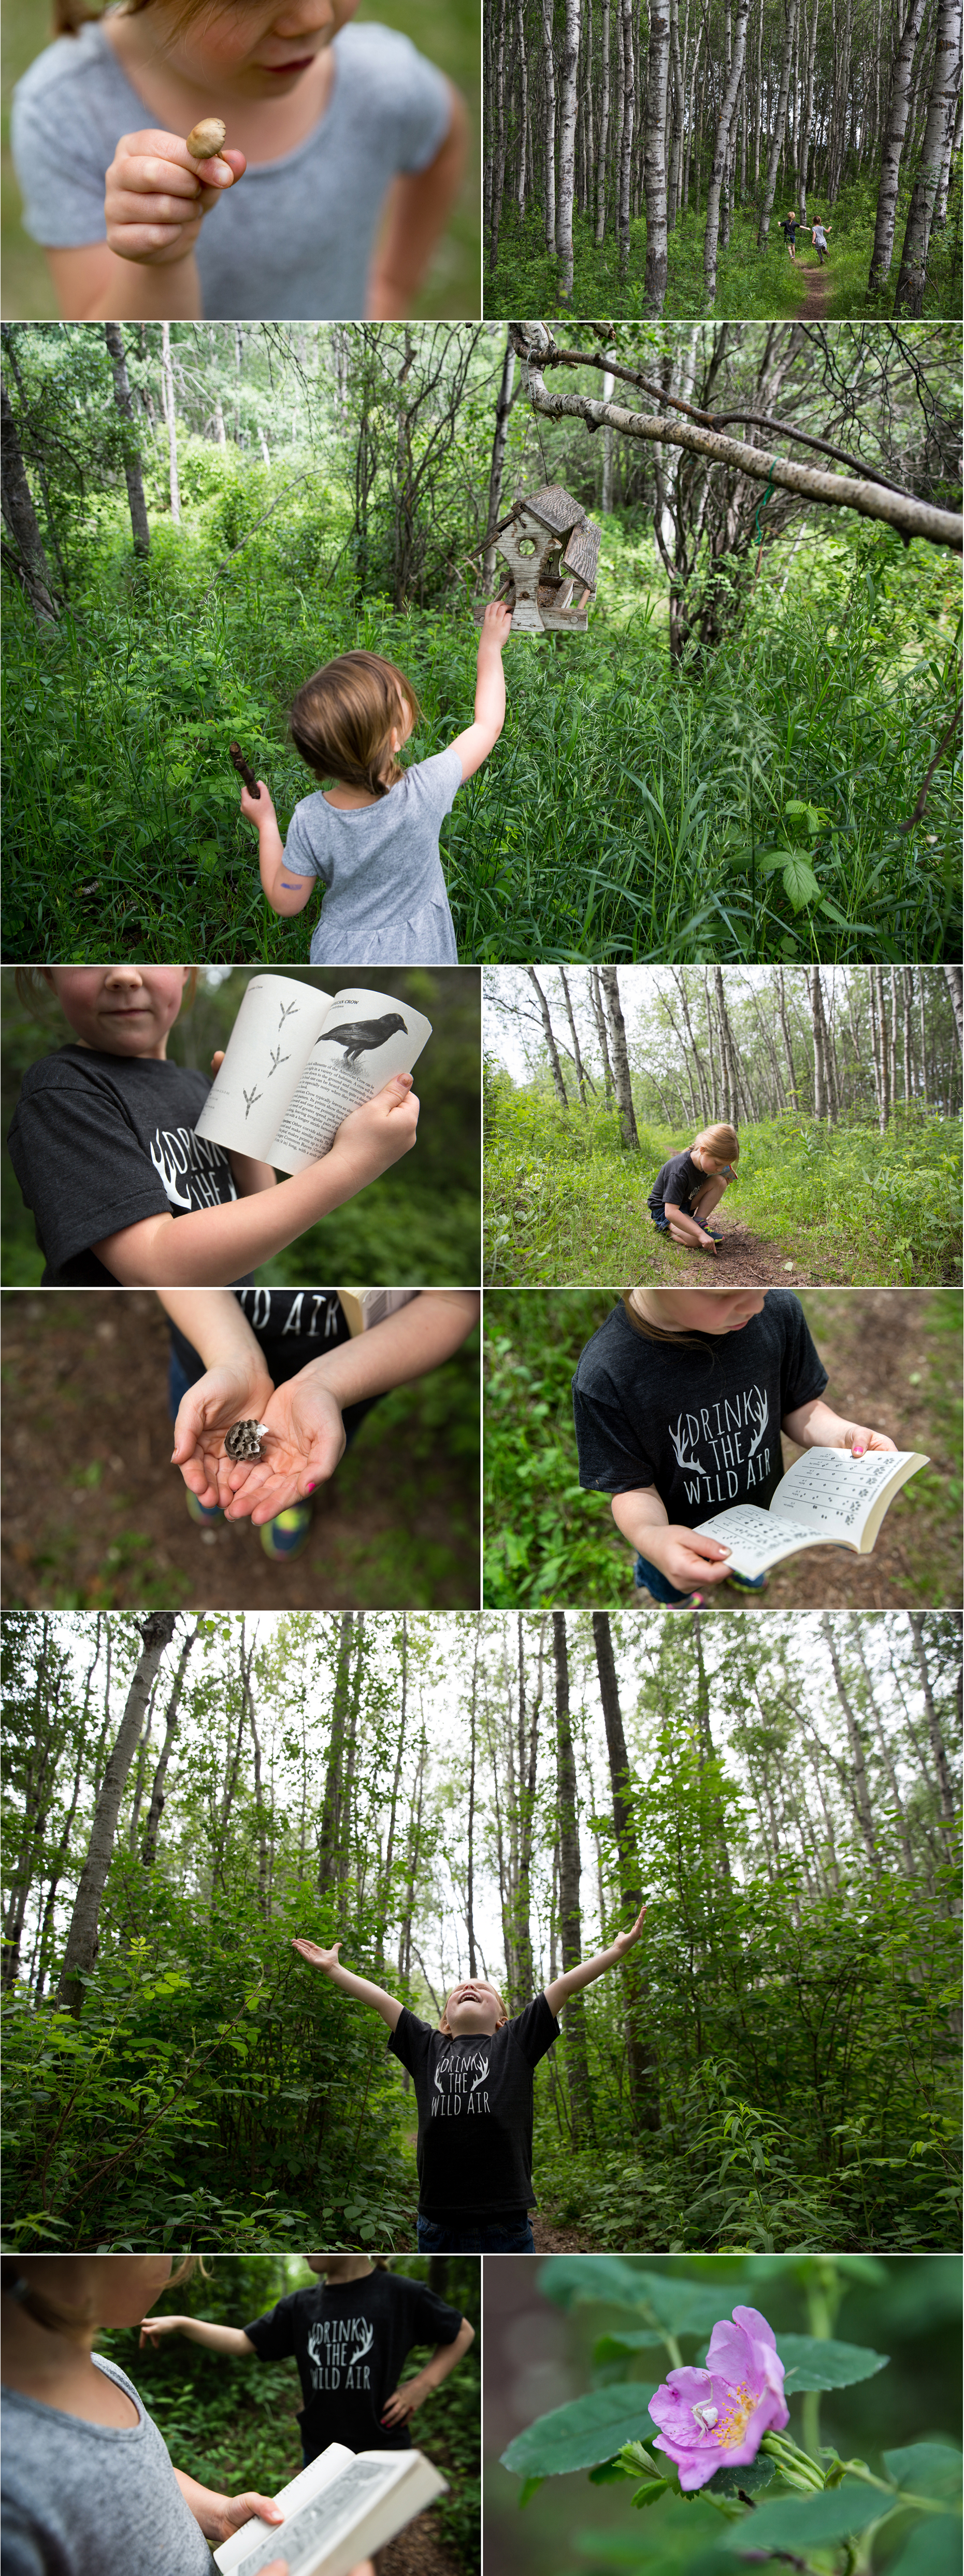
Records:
x=630, y=809
x=751, y=284
x=566, y=1203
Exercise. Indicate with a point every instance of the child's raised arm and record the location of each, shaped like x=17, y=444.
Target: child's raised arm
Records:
x=562, y=1987
x=474, y=746
x=286, y=892
x=215, y=2338
x=361, y=1987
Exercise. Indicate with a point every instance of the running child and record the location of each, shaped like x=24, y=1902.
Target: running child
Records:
x=473, y=2079
x=87, y=2484
x=679, y=1401
x=819, y=239
x=343, y=155
x=123, y=1193
x=373, y=837
x=789, y=230
x=689, y=1187
x=285, y=1358
x=350, y=2334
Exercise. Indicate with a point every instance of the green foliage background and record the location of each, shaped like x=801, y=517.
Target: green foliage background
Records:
x=418, y=1224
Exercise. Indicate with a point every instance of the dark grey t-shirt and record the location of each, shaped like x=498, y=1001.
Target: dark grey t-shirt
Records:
x=678, y=1183
x=350, y=2339
x=79, y=2499
x=474, y=2100
x=700, y=1422
x=296, y=236
x=99, y=1142
x=386, y=902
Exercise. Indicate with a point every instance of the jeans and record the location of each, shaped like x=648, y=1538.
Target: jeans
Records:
x=648, y=1577
x=511, y=2234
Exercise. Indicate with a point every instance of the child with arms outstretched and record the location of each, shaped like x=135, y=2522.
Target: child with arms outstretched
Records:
x=679, y=1401
x=123, y=1192
x=473, y=2079
x=330, y=128
x=373, y=837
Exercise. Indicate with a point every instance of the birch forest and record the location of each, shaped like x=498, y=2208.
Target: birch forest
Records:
x=644, y=151
x=771, y=2066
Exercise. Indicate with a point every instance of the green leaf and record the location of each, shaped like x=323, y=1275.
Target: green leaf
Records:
x=926, y=2468
x=750, y=2481
x=571, y=2280
x=650, y=2493
x=529, y=2488
x=812, y=2362
x=801, y=2523
x=579, y=2435
x=800, y=884
x=933, y=2549
x=611, y=2347
x=609, y=2473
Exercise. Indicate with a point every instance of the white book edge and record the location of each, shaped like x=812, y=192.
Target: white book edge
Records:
x=414, y=2484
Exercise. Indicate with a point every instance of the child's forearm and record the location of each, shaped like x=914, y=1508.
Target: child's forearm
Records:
x=365, y=1992
x=214, y=1324
x=213, y=1245
x=447, y=2355
x=94, y=285
x=419, y=205
x=215, y=2338
x=418, y=1338
x=562, y=1987
x=489, y=711
x=286, y=894
x=816, y=1426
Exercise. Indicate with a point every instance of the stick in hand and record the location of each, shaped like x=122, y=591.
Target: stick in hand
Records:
x=243, y=770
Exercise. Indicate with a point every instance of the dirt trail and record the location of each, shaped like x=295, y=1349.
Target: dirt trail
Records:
x=417, y=2551
x=818, y=291
x=557, y=2240
x=745, y=1260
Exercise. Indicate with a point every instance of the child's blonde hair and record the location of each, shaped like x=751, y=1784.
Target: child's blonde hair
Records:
x=722, y=1142
x=493, y=1990
x=343, y=719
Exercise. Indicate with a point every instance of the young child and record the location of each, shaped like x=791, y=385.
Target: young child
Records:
x=679, y=1401
x=350, y=2334
x=330, y=128
x=789, y=229
x=87, y=2486
x=689, y=1187
x=284, y=1357
x=473, y=2079
x=819, y=239
x=373, y=837
x=123, y=1192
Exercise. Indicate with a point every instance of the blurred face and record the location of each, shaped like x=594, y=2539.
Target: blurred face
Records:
x=711, y=1164
x=337, y=2267
x=253, y=50
x=120, y=1010
x=474, y=2006
x=118, y=2288
x=699, y=1310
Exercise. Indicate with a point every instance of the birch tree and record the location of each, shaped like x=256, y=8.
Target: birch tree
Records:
x=156, y=1632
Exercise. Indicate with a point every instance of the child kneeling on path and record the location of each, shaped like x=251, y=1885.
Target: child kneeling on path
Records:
x=473, y=2079
x=372, y=838
x=350, y=2334
x=88, y=2487
x=679, y=1401
x=689, y=1187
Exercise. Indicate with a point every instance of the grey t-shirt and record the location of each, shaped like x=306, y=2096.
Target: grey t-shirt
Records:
x=386, y=902
x=79, y=2499
x=296, y=235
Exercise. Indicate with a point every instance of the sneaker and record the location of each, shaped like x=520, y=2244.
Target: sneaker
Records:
x=748, y=1582
x=689, y=1601
x=286, y=1536
x=204, y=1514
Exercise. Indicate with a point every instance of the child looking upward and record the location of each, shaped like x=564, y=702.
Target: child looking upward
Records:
x=330, y=128
x=473, y=2079
x=123, y=1192
x=689, y=1187
x=679, y=1400
x=88, y=2486
x=373, y=836
x=350, y=2334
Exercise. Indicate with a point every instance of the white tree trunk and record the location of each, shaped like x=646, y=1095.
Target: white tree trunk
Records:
x=722, y=147
x=81, y=1950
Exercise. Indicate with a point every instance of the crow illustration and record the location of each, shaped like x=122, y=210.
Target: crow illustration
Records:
x=363, y=1037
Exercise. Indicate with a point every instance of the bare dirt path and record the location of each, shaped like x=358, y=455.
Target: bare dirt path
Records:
x=746, y=1260
x=557, y=2240
x=818, y=291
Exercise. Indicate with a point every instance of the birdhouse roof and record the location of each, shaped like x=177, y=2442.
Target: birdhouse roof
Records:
x=554, y=508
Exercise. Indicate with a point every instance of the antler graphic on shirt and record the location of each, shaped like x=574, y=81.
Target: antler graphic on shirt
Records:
x=678, y=1438
x=169, y=1172
x=475, y=2057
x=760, y=1414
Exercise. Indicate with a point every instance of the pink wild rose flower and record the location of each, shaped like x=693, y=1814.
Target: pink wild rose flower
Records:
x=716, y=2418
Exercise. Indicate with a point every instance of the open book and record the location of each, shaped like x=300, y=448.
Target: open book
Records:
x=826, y=1499
x=337, y=2511
x=297, y=1062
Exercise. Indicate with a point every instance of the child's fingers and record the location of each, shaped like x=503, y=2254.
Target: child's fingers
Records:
x=217, y=1059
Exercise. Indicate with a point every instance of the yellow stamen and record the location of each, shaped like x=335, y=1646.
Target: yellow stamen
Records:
x=733, y=2423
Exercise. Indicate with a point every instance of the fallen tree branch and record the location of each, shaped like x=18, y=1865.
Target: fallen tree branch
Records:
x=714, y=419
x=911, y=518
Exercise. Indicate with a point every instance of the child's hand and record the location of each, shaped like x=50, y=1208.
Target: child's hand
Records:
x=259, y=809
x=496, y=627
x=152, y=2327
x=624, y=1940
x=708, y=1242
x=380, y=1132
x=316, y=1956
x=156, y=197
x=307, y=1441
x=229, y=1393
x=687, y=1560
x=237, y=2510
x=404, y=2401
x=858, y=1439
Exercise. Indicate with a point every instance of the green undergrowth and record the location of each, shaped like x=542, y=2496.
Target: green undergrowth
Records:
x=565, y=1201
x=749, y=800
x=751, y=284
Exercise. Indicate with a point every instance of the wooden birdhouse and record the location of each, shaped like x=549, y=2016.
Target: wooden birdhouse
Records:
x=551, y=550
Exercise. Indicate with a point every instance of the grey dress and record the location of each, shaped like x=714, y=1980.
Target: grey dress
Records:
x=386, y=903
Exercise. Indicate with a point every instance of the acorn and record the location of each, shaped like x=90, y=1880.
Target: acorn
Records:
x=206, y=139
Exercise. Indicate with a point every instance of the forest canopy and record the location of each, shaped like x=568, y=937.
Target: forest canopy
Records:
x=774, y=2064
